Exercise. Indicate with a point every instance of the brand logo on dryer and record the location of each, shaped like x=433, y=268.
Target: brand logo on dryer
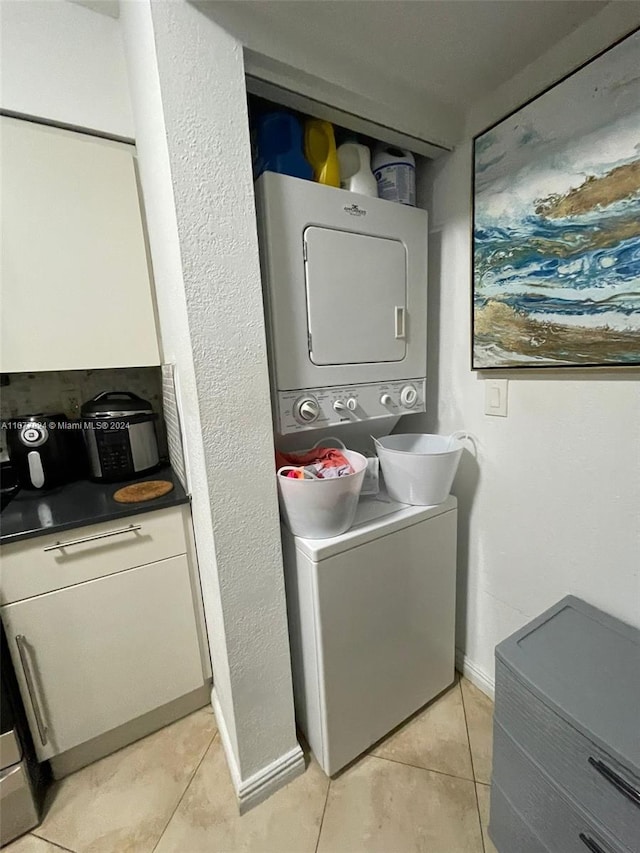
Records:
x=354, y=210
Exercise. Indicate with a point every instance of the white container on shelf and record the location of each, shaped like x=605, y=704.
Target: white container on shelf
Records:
x=395, y=171
x=419, y=468
x=355, y=169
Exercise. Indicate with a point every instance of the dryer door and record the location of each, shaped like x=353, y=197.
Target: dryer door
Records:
x=356, y=297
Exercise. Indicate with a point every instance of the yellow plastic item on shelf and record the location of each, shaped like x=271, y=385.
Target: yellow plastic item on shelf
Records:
x=320, y=151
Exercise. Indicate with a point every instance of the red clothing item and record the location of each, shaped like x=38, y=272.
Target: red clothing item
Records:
x=322, y=457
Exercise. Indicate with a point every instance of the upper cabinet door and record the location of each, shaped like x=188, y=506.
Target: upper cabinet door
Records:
x=356, y=297
x=76, y=288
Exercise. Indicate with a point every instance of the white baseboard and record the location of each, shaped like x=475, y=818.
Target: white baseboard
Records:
x=475, y=675
x=223, y=731
x=257, y=787
x=270, y=779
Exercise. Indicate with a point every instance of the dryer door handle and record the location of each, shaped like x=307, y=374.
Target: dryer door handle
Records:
x=400, y=325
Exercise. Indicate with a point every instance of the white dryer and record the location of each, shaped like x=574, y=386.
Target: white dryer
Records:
x=345, y=285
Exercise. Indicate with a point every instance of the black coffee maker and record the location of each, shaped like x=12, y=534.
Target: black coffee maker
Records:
x=45, y=450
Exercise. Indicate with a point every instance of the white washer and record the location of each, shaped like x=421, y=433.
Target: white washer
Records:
x=371, y=623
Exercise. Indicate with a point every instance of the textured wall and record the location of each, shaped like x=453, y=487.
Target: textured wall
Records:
x=64, y=63
x=202, y=124
x=553, y=504
x=157, y=190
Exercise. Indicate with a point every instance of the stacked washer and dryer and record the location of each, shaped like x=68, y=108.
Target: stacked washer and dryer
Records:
x=372, y=611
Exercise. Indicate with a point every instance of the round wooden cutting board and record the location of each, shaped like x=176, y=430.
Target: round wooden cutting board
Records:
x=146, y=491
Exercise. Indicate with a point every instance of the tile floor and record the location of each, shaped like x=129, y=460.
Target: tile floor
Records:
x=421, y=790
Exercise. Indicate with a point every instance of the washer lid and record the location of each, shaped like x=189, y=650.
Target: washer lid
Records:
x=375, y=517
x=356, y=297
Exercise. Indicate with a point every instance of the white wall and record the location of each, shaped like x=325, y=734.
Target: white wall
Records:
x=65, y=64
x=277, y=53
x=552, y=506
x=187, y=82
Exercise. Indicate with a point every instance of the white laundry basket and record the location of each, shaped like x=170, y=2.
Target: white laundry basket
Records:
x=319, y=509
x=419, y=468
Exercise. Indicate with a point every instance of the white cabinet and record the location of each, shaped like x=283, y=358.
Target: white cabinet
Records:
x=76, y=290
x=46, y=563
x=105, y=626
x=96, y=655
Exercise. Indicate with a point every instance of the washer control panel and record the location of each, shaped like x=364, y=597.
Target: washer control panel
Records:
x=317, y=408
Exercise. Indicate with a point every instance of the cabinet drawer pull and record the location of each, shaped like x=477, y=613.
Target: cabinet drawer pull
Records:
x=60, y=545
x=625, y=788
x=21, y=643
x=590, y=844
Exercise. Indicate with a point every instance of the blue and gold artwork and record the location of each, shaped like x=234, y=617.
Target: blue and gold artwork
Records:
x=557, y=223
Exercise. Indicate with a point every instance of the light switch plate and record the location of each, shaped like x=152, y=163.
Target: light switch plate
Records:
x=496, y=392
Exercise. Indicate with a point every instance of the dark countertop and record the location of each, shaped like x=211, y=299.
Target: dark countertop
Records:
x=33, y=513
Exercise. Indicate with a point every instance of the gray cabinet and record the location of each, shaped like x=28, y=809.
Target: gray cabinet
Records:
x=567, y=734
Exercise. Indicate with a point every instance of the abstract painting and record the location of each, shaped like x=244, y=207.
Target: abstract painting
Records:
x=556, y=241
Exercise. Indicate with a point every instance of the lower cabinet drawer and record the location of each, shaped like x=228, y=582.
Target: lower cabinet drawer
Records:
x=560, y=824
x=507, y=829
x=99, y=654
x=592, y=778
x=46, y=563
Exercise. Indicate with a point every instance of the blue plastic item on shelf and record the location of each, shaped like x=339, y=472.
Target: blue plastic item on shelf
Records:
x=278, y=138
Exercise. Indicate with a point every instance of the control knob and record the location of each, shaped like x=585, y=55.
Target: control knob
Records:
x=408, y=396
x=352, y=404
x=386, y=400
x=339, y=407
x=306, y=410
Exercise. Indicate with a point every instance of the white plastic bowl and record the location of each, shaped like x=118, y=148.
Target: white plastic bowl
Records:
x=319, y=509
x=419, y=468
